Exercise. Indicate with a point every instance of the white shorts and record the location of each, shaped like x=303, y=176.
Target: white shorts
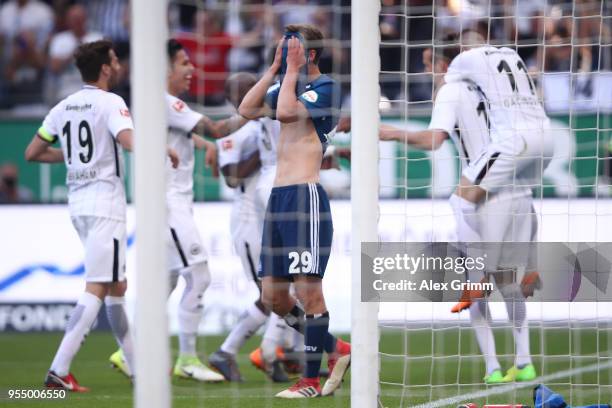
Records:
x=246, y=236
x=104, y=240
x=513, y=163
x=508, y=218
x=184, y=242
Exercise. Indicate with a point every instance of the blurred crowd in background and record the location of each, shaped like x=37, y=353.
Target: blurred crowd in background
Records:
x=562, y=41
x=37, y=39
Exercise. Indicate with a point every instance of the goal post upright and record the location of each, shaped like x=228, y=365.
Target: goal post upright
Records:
x=149, y=70
x=365, y=94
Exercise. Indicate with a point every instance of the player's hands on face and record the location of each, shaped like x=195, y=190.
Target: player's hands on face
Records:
x=174, y=157
x=278, y=57
x=295, y=53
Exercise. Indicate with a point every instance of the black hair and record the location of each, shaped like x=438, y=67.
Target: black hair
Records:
x=449, y=48
x=90, y=57
x=173, y=48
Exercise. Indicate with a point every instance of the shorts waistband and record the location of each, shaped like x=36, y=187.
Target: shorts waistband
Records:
x=294, y=187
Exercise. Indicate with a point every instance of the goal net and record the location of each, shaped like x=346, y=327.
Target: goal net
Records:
x=428, y=355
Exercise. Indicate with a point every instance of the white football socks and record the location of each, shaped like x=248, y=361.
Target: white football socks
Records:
x=517, y=313
x=197, y=278
x=479, y=313
x=250, y=321
x=115, y=312
x=273, y=336
x=82, y=318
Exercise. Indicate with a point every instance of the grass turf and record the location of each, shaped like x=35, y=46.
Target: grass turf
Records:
x=409, y=374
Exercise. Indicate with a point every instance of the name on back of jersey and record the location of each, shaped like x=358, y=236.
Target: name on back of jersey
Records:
x=81, y=175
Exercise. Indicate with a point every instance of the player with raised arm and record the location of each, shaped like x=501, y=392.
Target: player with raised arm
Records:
x=488, y=154
x=186, y=254
x=298, y=229
x=93, y=126
x=247, y=159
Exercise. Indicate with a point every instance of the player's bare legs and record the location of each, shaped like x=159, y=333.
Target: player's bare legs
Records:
x=311, y=318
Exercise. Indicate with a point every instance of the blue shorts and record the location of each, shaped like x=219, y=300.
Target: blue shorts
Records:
x=297, y=233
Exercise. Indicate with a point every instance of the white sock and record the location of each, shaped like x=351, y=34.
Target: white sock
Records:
x=115, y=312
x=294, y=340
x=274, y=336
x=468, y=225
x=197, y=279
x=517, y=313
x=82, y=318
x=479, y=311
x=250, y=321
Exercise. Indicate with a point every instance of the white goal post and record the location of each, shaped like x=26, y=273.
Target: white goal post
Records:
x=149, y=70
x=365, y=67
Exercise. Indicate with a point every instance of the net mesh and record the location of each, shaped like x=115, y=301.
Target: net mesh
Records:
x=429, y=356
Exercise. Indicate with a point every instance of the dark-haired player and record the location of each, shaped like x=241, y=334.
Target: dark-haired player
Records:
x=489, y=109
x=93, y=127
x=186, y=255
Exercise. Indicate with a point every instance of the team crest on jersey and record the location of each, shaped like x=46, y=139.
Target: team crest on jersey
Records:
x=125, y=113
x=178, y=105
x=227, y=144
x=310, y=96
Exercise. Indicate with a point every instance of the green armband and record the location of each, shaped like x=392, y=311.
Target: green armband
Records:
x=46, y=136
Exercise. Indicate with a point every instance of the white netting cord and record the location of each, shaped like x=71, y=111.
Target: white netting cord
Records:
x=566, y=47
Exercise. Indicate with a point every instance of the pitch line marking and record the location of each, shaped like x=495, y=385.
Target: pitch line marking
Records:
x=501, y=389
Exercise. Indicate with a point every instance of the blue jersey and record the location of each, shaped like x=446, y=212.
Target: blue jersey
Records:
x=322, y=100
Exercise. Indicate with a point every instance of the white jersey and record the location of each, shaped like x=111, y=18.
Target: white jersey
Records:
x=181, y=121
x=233, y=149
x=501, y=75
x=462, y=111
x=87, y=124
x=248, y=211
x=267, y=141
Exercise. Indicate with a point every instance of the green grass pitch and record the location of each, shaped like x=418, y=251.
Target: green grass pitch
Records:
x=409, y=374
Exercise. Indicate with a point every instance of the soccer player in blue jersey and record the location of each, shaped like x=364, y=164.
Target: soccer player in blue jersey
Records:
x=298, y=228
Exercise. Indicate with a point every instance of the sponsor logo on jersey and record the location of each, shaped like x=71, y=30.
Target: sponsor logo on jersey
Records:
x=310, y=96
x=227, y=144
x=125, y=113
x=78, y=108
x=178, y=105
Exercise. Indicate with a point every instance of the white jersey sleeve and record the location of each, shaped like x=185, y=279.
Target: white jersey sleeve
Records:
x=444, y=114
x=238, y=145
x=119, y=117
x=50, y=128
x=180, y=116
x=460, y=67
